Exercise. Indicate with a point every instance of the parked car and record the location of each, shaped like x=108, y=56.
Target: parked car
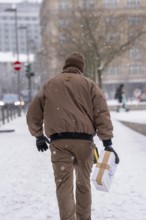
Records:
x=11, y=99
x=143, y=97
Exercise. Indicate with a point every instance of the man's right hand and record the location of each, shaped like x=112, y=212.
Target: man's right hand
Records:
x=110, y=148
x=41, y=143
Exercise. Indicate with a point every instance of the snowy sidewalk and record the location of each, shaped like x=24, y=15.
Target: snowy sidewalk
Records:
x=131, y=116
x=27, y=189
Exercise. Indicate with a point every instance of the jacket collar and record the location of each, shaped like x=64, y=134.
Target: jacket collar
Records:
x=72, y=70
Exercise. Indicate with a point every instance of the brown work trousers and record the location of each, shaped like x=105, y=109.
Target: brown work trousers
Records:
x=74, y=200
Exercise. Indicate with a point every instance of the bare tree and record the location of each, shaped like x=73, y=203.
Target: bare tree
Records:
x=101, y=35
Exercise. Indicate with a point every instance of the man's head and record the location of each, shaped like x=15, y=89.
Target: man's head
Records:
x=121, y=85
x=75, y=60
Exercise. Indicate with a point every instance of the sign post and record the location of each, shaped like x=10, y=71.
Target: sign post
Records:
x=17, y=66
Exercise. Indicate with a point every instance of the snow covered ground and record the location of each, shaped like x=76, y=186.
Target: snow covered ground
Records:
x=27, y=189
x=131, y=116
x=129, y=102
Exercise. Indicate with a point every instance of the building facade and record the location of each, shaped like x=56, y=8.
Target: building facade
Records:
x=28, y=23
x=128, y=68
x=27, y=16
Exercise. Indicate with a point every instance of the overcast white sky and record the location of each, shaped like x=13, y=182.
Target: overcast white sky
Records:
x=14, y=1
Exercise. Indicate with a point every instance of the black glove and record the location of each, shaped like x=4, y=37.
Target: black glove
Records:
x=41, y=143
x=110, y=148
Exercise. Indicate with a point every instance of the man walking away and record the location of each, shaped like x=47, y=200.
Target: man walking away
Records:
x=70, y=110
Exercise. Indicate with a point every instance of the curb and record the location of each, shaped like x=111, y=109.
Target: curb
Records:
x=8, y=130
x=141, y=128
x=132, y=107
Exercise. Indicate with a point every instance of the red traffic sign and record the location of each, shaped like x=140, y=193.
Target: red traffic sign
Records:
x=17, y=66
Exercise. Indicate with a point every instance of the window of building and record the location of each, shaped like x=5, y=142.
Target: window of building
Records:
x=22, y=36
x=23, y=42
x=6, y=36
x=135, y=70
x=6, y=30
x=20, y=18
x=132, y=35
x=34, y=18
x=63, y=5
x=7, y=49
x=113, y=71
x=111, y=37
x=110, y=21
x=88, y=3
x=135, y=53
x=23, y=49
x=110, y=3
x=63, y=23
x=134, y=20
x=4, y=17
x=133, y=3
x=6, y=42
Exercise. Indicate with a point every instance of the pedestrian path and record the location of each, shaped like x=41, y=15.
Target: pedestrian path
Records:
x=131, y=116
x=27, y=189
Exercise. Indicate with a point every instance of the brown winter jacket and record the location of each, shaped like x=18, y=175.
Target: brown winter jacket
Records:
x=70, y=102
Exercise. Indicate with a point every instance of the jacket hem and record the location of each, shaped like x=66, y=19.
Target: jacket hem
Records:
x=71, y=135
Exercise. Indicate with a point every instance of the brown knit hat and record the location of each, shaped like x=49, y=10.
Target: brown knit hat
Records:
x=75, y=60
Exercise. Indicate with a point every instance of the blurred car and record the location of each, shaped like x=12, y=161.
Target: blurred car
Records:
x=11, y=99
x=143, y=97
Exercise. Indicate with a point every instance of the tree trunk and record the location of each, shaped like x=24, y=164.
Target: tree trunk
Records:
x=99, y=72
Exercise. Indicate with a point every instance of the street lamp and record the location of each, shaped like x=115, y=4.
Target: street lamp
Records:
x=14, y=10
x=27, y=45
x=29, y=74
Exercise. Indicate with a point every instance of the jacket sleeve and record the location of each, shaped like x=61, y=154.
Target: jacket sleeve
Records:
x=101, y=116
x=35, y=114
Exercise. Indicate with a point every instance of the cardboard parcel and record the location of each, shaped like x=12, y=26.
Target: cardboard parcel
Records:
x=104, y=171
